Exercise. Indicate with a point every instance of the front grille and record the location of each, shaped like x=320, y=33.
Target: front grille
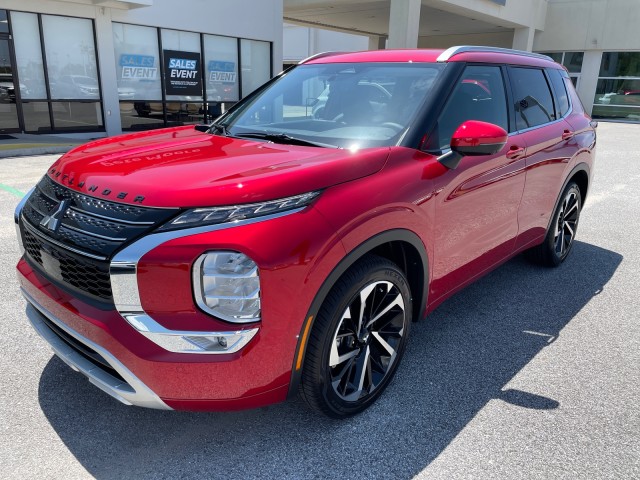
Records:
x=71, y=237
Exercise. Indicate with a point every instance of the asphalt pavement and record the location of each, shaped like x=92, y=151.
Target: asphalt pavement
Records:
x=528, y=373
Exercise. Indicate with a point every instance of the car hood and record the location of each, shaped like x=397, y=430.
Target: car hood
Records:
x=182, y=167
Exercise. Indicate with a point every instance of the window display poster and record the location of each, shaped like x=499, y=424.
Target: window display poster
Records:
x=182, y=73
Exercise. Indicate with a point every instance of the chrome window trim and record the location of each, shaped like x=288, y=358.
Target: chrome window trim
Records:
x=123, y=271
x=131, y=392
x=451, y=51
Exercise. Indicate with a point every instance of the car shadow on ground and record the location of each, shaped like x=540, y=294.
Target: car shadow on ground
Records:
x=459, y=359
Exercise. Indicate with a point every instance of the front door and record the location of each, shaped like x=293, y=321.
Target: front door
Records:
x=477, y=202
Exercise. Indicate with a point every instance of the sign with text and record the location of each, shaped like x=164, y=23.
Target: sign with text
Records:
x=182, y=73
x=138, y=67
x=222, y=72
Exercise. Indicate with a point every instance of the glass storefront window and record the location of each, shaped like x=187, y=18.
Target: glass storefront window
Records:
x=76, y=115
x=8, y=90
x=4, y=22
x=36, y=117
x=618, y=89
x=256, y=64
x=141, y=115
x=71, y=65
x=573, y=61
x=137, y=62
x=26, y=42
x=221, y=60
x=620, y=64
x=556, y=56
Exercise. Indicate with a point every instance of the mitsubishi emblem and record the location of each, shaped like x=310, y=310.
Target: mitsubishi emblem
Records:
x=51, y=222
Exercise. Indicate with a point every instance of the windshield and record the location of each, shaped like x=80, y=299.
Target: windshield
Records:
x=344, y=105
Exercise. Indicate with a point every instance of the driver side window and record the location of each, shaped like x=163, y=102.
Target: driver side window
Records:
x=478, y=95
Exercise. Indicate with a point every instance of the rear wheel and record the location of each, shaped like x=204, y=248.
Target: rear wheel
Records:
x=358, y=338
x=564, y=225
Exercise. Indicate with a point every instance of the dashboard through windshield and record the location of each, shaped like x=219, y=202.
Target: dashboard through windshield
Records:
x=341, y=105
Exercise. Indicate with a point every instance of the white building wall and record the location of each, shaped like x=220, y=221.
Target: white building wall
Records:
x=500, y=39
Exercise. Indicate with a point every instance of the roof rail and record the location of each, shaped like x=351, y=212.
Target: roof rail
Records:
x=319, y=55
x=450, y=52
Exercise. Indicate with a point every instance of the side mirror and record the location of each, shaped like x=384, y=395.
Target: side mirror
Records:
x=473, y=138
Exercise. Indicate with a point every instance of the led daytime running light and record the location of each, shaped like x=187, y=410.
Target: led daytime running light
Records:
x=215, y=215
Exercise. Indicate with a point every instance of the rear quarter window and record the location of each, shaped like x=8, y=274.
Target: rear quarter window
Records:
x=533, y=103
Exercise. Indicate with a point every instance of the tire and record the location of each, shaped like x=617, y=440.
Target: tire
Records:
x=562, y=231
x=346, y=368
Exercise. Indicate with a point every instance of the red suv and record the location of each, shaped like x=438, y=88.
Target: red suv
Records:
x=287, y=247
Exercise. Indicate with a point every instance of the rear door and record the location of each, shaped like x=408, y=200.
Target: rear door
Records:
x=540, y=123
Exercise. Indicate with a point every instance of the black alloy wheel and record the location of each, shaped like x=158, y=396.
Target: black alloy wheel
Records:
x=358, y=338
x=561, y=235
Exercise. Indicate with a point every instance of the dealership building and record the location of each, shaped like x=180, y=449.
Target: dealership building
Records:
x=99, y=67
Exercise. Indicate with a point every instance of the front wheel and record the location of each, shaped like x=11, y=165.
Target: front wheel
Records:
x=358, y=338
x=564, y=225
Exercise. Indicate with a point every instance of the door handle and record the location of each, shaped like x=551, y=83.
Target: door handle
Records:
x=515, y=152
x=567, y=134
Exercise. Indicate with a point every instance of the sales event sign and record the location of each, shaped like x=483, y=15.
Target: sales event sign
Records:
x=182, y=73
x=138, y=67
x=222, y=72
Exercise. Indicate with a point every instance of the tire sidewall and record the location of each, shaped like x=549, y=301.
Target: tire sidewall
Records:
x=388, y=273
x=550, y=241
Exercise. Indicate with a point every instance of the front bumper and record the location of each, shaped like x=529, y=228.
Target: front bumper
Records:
x=135, y=370
x=101, y=368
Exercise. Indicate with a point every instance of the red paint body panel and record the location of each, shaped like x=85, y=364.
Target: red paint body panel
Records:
x=181, y=167
x=468, y=220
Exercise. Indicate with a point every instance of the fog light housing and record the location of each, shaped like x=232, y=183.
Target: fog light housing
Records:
x=226, y=284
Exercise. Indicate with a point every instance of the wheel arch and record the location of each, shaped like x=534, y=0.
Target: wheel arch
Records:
x=579, y=174
x=405, y=249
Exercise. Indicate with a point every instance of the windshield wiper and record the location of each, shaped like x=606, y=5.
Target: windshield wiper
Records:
x=220, y=128
x=283, y=138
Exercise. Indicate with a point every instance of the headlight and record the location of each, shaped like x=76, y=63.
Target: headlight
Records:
x=198, y=217
x=226, y=285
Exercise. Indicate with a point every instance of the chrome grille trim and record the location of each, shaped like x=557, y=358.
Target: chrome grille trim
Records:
x=101, y=237
x=64, y=223
x=34, y=231
x=110, y=219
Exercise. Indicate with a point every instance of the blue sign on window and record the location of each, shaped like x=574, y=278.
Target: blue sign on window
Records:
x=138, y=67
x=127, y=60
x=220, y=71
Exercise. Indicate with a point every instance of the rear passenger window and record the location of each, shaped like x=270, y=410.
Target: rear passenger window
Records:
x=561, y=96
x=479, y=95
x=533, y=101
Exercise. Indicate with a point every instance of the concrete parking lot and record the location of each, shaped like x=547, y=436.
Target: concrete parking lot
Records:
x=528, y=373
